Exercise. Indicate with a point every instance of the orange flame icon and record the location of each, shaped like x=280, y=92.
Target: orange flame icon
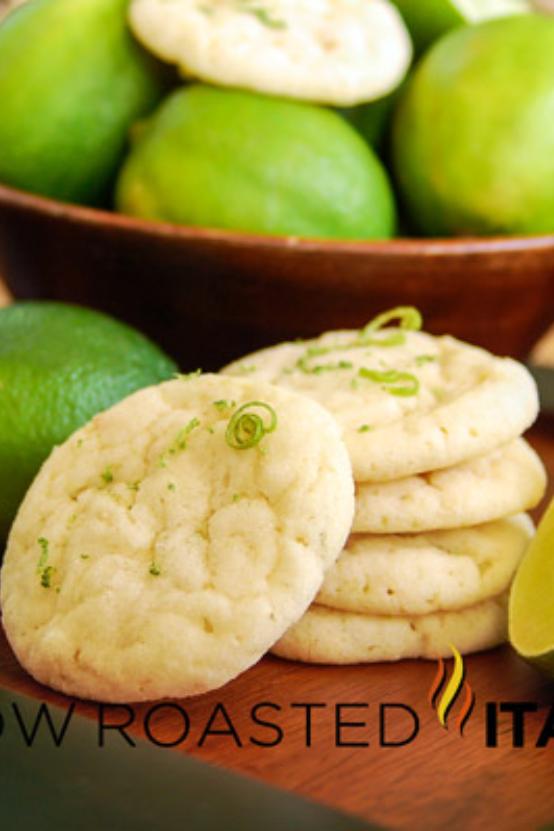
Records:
x=443, y=703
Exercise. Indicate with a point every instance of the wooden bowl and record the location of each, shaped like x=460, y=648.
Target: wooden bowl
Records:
x=209, y=296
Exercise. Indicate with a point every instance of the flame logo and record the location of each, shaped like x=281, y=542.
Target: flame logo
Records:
x=457, y=683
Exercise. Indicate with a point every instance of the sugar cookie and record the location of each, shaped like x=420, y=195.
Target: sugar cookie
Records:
x=408, y=402
x=171, y=541
x=503, y=482
x=326, y=636
x=424, y=573
x=339, y=52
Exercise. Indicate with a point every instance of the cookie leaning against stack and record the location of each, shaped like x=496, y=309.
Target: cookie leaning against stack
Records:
x=433, y=428
x=171, y=541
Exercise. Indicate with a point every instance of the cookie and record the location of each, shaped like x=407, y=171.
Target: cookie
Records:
x=326, y=636
x=426, y=573
x=506, y=481
x=171, y=541
x=407, y=402
x=341, y=52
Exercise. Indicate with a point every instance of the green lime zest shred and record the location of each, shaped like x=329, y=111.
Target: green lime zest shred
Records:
x=44, y=571
x=246, y=429
x=180, y=442
x=315, y=352
x=402, y=384
x=188, y=376
x=409, y=320
x=46, y=577
x=365, y=428
x=425, y=359
x=107, y=476
x=44, y=546
x=261, y=13
x=155, y=569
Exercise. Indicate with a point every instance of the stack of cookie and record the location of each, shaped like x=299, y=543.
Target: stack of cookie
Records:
x=433, y=427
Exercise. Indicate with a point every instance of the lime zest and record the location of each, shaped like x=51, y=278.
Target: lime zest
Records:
x=135, y=486
x=408, y=317
x=46, y=577
x=107, y=476
x=188, y=376
x=365, y=428
x=224, y=405
x=409, y=320
x=303, y=366
x=171, y=486
x=389, y=379
x=263, y=15
x=247, y=429
x=44, y=545
x=154, y=569
x=179, y=443
x=425, y=359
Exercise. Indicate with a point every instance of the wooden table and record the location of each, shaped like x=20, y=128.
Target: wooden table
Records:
x=437, y=781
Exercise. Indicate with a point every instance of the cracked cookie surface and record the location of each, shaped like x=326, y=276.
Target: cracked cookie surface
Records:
x=153, y=558
x=406, y=407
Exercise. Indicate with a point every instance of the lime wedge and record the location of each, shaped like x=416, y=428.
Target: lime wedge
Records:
x=427, y=20
x=531, y=608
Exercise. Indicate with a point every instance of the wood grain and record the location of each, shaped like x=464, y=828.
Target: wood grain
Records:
x=440, y=780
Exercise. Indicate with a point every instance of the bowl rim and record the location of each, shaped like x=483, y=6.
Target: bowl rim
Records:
x=396, y=247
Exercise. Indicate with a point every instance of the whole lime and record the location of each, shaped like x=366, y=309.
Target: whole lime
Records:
x=238, y=160
x=427, y=20
x=72, y=81
x=59, y=366
x=473, y=136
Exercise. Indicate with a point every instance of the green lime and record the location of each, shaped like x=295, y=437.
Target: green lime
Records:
x=473, y=135
x=72, y=81
x=531, y=610
x=428, y=20
x=238, y=160
x=59, y=365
